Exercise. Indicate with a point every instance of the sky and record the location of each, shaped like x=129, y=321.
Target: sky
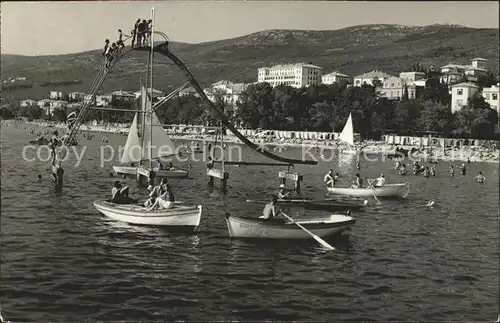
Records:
x=43, y=28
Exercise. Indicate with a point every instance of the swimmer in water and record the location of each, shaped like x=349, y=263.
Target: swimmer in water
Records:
x=39, y=177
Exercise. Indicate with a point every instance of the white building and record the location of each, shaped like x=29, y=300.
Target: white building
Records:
x=76, y=96
x=122, y=95
x=460, y=93
x=491, y=95
x=335, y=77
x=368, y=78
x=231, y=91
x=56, y=95
x=295, y=75
x=188, y=91
x=156, y=94
x=393, y=88
x=411, y=77
x=480, y=63
x=49, y=105
x=28, y=103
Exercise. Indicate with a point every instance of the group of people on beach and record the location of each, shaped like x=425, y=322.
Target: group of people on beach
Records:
x=140, y=34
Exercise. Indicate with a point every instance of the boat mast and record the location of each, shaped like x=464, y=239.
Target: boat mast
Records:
x=222, y=145
x=151, y=39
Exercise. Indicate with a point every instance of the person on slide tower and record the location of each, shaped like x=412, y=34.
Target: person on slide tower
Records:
x=135, y=32
x=120, y=39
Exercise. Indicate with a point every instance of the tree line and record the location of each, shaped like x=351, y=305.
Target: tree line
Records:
x=322, y=108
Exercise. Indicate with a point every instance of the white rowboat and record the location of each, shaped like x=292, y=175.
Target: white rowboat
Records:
x=280, y=228
x=129, y=170
x=182, y=217
x=388, y=190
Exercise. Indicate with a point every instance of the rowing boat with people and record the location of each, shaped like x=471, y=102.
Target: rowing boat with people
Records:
x=313, y=204
x=388, y=190
x=177, y=217
x=283, y=228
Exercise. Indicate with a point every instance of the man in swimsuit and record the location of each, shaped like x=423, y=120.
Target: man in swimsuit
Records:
x=269, y=212
x=480, y=178
x=328, y=179
x=283, y=192
x=119, y=194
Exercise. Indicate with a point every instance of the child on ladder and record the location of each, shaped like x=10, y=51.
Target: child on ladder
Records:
x=120, y=39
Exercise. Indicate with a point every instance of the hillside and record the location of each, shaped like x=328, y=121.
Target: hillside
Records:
x=353, y=50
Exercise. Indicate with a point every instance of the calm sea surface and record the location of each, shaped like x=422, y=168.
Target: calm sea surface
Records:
x=62, y=261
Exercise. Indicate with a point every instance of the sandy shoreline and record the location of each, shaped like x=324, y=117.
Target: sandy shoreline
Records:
x=370, y=148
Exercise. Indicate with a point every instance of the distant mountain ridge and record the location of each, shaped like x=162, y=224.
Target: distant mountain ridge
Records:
x=352, y=50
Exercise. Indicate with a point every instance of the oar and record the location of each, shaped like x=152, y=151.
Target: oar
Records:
x=373, y=191
x=320, y=241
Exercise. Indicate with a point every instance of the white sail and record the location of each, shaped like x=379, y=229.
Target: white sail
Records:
x=133, y=148
x=347, y=134
x=155, y=136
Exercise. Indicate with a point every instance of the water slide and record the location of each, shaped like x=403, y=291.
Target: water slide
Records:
x=163, y=49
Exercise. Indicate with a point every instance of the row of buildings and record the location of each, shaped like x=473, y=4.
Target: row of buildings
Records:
x=74, y=100
x=305, y=74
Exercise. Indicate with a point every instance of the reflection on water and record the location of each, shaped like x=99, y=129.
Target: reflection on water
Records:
x=402, y=260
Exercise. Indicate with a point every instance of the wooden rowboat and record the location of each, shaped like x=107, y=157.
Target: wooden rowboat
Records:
x=388, y=190
x=279, y=228
x=129, y=170
x=312, y=204
x=179, y=217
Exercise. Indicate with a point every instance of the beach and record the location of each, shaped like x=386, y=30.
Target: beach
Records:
x=367, y=148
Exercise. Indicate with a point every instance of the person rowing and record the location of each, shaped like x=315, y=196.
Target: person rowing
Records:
x=283, y=193
x=119, y=194
x=328, y=179
x=269, y=211
x=378, y=182
x=358, y=182
x=480, y=178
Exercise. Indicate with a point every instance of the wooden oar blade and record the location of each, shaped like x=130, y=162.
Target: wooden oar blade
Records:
x=323, y=242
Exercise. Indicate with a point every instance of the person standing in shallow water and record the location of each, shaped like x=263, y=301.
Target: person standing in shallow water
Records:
x=480, y=178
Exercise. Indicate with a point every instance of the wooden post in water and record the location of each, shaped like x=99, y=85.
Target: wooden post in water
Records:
x=57, y=177
x=292, y=176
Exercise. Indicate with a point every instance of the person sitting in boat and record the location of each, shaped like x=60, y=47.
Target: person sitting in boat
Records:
x=451, y=171
x=164, y=201
x=119, y=194
x=171, y=166
x=378, y=182
x=159, y=189
x=283, y=192
x=328, y=179
x=269, y=212
x=480, y=178
x=358, y=183
x=160, y=165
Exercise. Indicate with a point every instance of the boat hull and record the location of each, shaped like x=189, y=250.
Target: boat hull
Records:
x=388, y=190
x=313, y=205
x=239, y=227
x=187, y=217
x=128, y=170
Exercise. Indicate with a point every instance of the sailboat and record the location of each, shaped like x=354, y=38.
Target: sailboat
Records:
x=146, y=142
x=347, y=136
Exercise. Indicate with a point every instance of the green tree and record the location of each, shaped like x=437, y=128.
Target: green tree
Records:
x=35, y=112
x=436, y=117
x=59, y=115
